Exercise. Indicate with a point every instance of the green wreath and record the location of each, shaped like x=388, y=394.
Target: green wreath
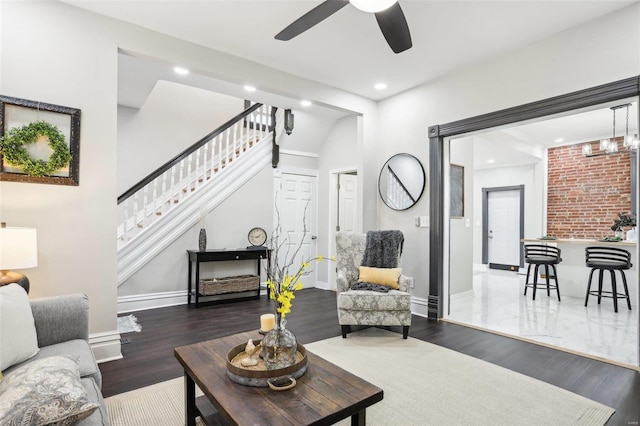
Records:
x=14, y=150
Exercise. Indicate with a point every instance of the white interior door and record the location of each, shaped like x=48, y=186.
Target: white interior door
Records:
x=347, y=203
x=504, y=227
x=296, y=202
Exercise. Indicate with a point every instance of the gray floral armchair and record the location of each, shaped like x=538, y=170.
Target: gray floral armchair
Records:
x=367, y=307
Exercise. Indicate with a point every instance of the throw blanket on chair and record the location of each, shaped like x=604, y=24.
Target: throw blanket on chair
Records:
x=382, y=250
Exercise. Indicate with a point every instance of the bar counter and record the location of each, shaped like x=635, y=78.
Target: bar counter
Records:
x=573, y=274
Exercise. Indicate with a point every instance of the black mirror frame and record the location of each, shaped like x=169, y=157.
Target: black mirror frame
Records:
x=424, y=180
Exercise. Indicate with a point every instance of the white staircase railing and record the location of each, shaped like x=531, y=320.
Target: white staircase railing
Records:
x=145, y=204
x=172, y=199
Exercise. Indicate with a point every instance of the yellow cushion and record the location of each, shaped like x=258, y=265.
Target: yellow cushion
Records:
x=380, y=276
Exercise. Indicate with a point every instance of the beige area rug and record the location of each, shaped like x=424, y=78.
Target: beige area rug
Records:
x=423, y=384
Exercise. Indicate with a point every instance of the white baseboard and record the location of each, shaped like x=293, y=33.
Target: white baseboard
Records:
x=323, y=285
x=141, y=302
x=420, y=306
x=106, y=346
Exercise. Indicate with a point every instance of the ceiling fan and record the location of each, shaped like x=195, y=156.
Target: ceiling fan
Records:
x=388, y=13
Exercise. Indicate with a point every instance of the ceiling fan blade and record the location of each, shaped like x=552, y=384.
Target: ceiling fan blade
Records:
x=394, y=28
x=311, y=18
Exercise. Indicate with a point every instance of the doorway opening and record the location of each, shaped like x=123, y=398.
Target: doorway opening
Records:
x=503, y=227
x=497, y=303
x=343, y=209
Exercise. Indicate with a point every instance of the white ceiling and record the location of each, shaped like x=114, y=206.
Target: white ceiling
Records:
x=524, y=143
x=347, y=50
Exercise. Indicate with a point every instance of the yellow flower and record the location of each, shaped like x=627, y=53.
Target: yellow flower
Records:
x=282, y=284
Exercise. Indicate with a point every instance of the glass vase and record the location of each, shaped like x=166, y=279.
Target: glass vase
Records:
x=279, y=346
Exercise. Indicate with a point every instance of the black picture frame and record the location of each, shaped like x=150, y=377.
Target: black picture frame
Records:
x=457, y=191
x=15, y=112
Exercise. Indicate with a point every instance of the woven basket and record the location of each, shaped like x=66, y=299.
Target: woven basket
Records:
x=235, y=284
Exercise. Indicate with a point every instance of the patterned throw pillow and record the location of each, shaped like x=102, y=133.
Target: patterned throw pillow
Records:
x=47, y=391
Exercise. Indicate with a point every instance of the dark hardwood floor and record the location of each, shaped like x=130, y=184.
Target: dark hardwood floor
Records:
x=148, y=357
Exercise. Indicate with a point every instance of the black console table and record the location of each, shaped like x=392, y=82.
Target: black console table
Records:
x=196, y=257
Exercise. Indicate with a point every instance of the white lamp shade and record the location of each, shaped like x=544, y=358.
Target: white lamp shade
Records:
x=372, y=5
x=18, y=248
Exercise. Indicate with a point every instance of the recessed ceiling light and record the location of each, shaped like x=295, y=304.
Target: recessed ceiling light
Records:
x=491, y=160
x=249, y=88
x=305, y=103
x=380, y=86
x=559, y=140
x=181, y=70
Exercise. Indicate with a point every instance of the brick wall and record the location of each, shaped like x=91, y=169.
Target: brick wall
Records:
x=585, y=194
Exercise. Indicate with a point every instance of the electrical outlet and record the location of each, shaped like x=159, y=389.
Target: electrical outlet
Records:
x=411, y=281
x=424, y=221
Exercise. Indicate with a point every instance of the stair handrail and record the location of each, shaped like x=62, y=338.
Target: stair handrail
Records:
x=184, y=154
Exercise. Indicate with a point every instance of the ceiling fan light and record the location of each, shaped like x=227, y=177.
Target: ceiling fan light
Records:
x=373, y=6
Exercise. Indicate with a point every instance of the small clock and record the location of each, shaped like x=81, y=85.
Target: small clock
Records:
x=257, y=236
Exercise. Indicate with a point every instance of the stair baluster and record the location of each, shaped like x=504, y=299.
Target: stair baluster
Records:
x=169, y=187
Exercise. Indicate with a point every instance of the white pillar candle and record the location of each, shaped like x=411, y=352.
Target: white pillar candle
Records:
x=267, y=322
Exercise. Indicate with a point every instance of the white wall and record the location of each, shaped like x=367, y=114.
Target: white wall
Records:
x=56, y=54
x=461, y=228
x=309, y=132
x=340, y=151
x=572, y=60
x=173, y=118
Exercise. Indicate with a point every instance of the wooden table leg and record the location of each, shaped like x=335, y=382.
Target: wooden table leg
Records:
x=189, y=400
x=359, y=419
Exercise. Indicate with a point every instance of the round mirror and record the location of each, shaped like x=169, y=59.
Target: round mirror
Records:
x=401, y=181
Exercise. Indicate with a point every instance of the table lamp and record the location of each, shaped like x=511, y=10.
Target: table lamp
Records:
x=18, y=250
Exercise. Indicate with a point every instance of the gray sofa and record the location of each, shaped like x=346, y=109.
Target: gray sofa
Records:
x=62, y=327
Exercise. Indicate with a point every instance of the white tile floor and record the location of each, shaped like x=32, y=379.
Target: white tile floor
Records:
x=497, y=303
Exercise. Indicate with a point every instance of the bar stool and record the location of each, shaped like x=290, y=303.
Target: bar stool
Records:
x=540, y=254
x=610, y=259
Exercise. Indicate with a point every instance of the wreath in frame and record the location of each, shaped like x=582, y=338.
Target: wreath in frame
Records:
x=15, y=141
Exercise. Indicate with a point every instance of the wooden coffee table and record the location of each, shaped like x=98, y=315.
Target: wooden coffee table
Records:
x=324, y=395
